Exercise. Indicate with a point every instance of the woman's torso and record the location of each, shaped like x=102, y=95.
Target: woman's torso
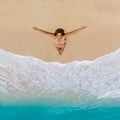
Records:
x=61, y=41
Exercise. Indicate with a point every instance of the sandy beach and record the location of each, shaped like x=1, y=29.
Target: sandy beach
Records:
x=102, y=18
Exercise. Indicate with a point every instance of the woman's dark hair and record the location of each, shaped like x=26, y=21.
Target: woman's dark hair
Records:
x=59, y=30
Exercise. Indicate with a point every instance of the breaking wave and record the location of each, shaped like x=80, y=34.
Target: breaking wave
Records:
x=28, y=76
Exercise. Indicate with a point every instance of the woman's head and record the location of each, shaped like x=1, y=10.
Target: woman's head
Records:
x=59, y=31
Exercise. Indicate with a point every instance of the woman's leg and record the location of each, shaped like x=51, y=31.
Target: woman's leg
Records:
x=58, y=49
x=62, y=49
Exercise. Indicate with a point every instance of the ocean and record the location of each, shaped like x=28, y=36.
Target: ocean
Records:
x=32, y=89
x=58, y=113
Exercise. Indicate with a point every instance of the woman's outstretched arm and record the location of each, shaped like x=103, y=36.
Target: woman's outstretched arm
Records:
x=44, y=32
x=75, y=31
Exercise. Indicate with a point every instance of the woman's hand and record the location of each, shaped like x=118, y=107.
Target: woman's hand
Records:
x=35, y=28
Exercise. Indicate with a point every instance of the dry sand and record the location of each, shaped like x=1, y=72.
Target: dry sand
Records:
x=102, y=36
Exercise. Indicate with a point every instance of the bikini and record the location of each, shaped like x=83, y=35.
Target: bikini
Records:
x=61, y=44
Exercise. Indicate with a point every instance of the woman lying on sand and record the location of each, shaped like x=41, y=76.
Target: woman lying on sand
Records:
x=60, y=37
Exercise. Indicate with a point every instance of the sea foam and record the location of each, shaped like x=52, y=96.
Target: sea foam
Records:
x=29, y=76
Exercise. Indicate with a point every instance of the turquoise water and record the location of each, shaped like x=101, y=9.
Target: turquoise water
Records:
x=61, y=110
x=28, y=112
